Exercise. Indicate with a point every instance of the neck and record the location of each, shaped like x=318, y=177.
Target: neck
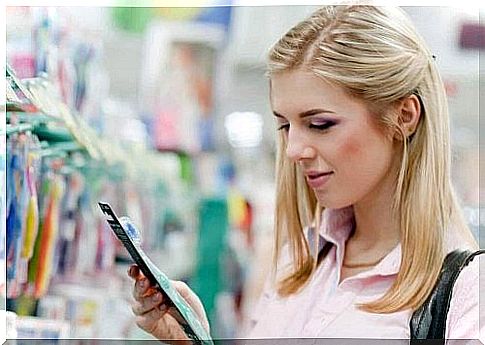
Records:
x=376, y=227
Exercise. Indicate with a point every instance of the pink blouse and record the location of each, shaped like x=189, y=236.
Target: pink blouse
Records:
x=327, y=309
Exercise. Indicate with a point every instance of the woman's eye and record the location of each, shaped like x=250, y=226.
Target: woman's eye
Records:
x=317, y=126
x=284, y=127
x=322, y=126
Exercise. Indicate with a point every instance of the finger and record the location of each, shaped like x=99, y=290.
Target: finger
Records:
x=162, y=325
x=147, y=304
x=133, y=271
x=192, y=299
x=139, y=308
x=157, y=317
x=150, y=291
x=142, y=289
x=188, y=295
x=182, y=288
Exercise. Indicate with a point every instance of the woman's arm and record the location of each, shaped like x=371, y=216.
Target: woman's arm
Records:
x=464, y=319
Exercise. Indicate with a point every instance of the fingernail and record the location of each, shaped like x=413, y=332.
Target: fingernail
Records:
x=130, y=271
x=163, y=308
x=157, y=297
x=142, y=283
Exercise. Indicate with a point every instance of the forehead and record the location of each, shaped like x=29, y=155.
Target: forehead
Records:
x=298, y=90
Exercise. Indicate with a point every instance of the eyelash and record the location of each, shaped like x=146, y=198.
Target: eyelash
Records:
x=321, y=127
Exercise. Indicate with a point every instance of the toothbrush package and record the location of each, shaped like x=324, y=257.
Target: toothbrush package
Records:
x=128, y=234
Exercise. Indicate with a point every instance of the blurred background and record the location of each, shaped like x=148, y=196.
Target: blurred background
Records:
x=164, y=113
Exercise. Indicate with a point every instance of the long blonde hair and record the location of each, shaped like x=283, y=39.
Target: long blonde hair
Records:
x=375, y=54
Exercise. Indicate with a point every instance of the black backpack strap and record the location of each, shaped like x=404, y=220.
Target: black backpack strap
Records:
x=429, y=321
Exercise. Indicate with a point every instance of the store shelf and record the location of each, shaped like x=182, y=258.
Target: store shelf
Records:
x=73, y=161
x=50, y=119
x=18, y=107
x=54, y=134
x=60, y=148
x=12, y=129
x=19, y=97
x=32, y=117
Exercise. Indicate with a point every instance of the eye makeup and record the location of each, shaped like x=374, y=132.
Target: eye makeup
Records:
x=285, y=126
x=322, y=124
x=316, y=124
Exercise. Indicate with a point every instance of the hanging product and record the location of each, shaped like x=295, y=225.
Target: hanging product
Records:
x=3, y=215
x=32, y=212
x=67, y=233
x=41, y=264
x=21, y=207
x=14, y=180
x=86, y=236
x=12, y=218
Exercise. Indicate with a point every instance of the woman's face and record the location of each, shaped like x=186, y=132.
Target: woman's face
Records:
x=345, y=156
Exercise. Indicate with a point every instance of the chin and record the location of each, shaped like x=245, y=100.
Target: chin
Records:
x=332, y=203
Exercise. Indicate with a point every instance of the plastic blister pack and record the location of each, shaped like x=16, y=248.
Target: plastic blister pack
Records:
x=128, y=234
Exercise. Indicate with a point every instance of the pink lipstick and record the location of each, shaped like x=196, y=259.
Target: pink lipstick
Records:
x=318, y=180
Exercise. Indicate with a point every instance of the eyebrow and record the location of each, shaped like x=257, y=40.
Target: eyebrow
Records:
x=307, y=113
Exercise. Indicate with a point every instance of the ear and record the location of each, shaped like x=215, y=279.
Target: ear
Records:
x=409, y=112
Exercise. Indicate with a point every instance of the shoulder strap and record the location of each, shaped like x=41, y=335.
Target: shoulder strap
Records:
x=429, y=321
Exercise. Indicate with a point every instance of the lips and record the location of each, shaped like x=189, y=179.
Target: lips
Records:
x=318, y=179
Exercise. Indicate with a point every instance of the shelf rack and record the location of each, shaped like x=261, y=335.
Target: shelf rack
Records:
x=32, y=105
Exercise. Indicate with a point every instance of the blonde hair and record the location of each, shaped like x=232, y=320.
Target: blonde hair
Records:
x=375, y=54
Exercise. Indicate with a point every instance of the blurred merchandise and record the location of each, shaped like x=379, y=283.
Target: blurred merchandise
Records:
x=182, y=110
x=209, y=277
x=3, y=215
x=37, y=328
x=57, y=168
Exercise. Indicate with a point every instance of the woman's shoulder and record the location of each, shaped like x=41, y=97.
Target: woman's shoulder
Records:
x=468, y=280
x=463, y=315
x=470, y=274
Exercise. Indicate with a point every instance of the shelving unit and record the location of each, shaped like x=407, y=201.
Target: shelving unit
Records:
x=32, y=106
x=162, y=180
x=62, y=130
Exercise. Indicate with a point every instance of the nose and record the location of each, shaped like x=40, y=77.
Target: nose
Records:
x=298, y=147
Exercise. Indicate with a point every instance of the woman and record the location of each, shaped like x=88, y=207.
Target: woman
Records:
x=365, y=208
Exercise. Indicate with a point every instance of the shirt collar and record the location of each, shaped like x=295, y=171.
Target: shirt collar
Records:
x=336, y=227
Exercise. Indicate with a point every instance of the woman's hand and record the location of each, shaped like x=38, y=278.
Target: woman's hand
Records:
x=154, y=316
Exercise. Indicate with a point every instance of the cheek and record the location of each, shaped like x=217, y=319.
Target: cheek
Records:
x=350, y=148
x=361, y=154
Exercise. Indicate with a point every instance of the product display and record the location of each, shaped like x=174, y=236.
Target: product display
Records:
x=70, y=143
x=56, y=167
x=22, y=215
x=3, y=225
x=41, y=264
x=36, y=328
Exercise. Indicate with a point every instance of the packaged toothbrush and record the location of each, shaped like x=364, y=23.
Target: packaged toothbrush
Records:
x=127, y=233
